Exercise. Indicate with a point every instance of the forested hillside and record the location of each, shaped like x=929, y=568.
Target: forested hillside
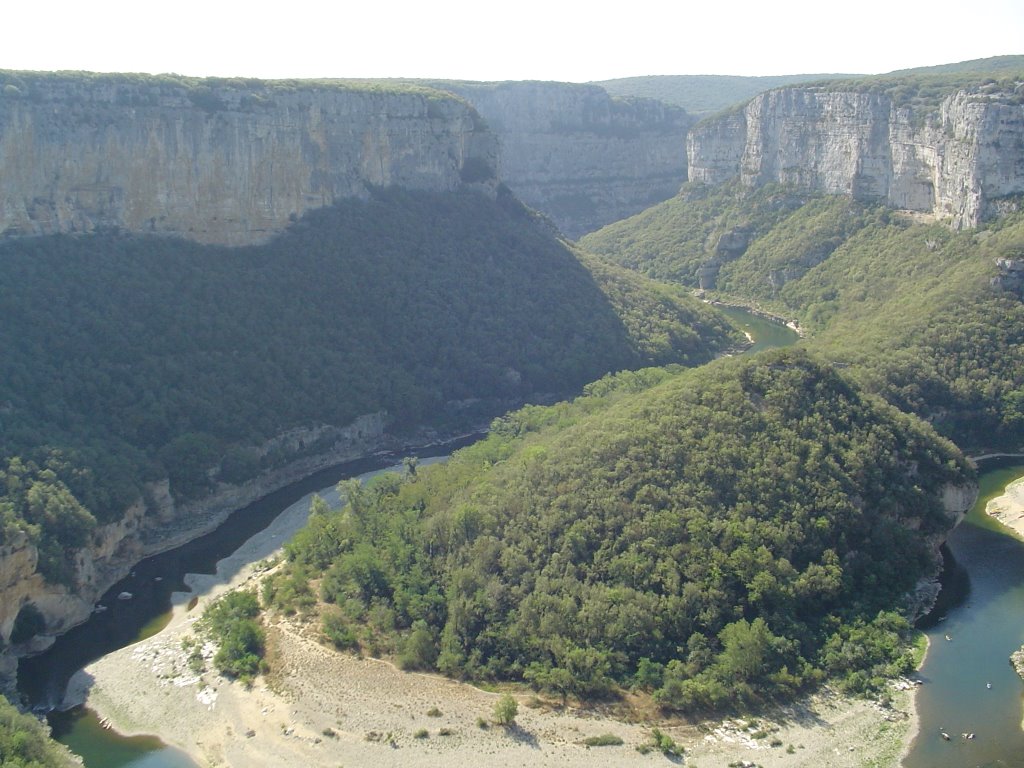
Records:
x=921, y=314
x=719, y=536
x=127, y=358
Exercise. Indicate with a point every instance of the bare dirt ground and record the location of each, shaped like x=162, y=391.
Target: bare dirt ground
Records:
x=319, y=707
x=1009, y=508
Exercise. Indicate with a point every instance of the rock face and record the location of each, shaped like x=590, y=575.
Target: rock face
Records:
x=958, y=161
x=1010, y=277
x=225, y=162
x=584, y=158
x=956, y=501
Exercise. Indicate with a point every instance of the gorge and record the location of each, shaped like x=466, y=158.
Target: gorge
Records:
x=215, y=287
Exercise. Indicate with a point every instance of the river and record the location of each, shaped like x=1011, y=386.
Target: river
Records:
x=981, y=611
x=767, y=334
x=154, y=584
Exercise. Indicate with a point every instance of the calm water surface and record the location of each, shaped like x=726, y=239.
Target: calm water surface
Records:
x=766, y=334
x=982, y=614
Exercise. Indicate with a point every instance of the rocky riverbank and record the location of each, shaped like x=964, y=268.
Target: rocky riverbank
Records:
x=321, y=707
x=1008, y=509
x=161, y=525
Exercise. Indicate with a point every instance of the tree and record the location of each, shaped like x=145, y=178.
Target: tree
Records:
x=420, y=649
x=505, y=710
x=747, y=649
x=410, y=463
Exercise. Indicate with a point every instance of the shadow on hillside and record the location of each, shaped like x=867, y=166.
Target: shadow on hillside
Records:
x=517, y=733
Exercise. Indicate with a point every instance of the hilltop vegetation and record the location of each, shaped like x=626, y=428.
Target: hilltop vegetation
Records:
x=704, y=94
x=127, y=358
x=209, y=93
x=719, y=536
x=925, y=87
x=908, y=306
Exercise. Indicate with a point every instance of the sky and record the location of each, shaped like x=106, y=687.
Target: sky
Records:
x=520, y=40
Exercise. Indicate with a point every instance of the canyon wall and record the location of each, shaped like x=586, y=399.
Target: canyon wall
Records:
x=218, y=161
x=582, y=157
x=232, y=162
x=958, y=160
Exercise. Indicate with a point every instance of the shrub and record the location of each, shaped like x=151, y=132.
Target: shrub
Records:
x=505, y=710
x=604, y=740
x=665, y=743
x=233, y=623
x=338, y=631
x=420, y=649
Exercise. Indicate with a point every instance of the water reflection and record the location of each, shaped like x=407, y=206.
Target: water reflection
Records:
x=969, y=685
x=81, y=731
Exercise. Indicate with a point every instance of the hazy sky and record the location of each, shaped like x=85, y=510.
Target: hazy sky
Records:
x=518, y=40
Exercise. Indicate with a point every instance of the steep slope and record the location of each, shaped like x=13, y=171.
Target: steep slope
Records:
x=582, y=157
x=219, y=161
x=931, y=318
x=130, y=359
x=948, y=144
x=719, y=536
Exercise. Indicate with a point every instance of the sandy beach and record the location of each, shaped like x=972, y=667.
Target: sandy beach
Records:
x=1008, y=509
x=319, y=707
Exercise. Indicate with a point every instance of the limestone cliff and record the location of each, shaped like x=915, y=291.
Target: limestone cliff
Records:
x=956, y=501
x=582, y=157
x=957, y=161
x=218, y=161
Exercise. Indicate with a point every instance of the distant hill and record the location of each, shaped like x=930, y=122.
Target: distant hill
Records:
x=582, y=156
x=993, y=64
x=704, y=94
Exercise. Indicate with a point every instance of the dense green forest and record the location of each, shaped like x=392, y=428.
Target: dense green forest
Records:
x=25, y=743
x=128, y=358
x=910, y=307
x=719, y=536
